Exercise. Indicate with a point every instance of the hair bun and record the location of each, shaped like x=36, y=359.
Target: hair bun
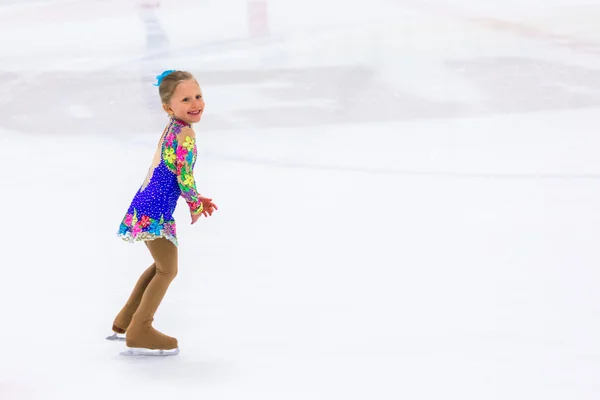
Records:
x=162, y=76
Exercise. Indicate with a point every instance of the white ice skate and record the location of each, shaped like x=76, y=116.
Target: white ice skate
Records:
x=116, y=337
x=133, y=352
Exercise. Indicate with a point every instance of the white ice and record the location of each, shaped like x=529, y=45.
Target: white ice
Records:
x=408, y=192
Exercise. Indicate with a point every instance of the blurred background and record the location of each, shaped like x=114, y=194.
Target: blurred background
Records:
x=408, y=198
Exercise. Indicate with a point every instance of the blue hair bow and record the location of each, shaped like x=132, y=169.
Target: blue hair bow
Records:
x=162, y=76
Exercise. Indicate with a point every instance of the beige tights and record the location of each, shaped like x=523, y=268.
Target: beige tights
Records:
x=136, y=317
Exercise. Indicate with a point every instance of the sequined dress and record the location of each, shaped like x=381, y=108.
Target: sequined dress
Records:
x=150, y=214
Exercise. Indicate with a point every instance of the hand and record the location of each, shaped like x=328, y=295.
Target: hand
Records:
x=208, y=207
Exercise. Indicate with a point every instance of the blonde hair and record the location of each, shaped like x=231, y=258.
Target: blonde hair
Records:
x=170, y=82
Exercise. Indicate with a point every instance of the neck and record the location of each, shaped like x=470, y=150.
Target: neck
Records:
x=180, y=121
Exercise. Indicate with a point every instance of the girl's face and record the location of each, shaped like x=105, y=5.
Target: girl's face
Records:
x=186, y=103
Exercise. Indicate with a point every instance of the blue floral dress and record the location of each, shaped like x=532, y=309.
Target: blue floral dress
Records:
x=150, y=214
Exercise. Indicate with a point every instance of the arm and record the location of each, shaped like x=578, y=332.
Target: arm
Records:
x=186, y=156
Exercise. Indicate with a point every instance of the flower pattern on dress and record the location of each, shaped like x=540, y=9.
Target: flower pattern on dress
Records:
x=188, y=144
x=144, y=221
x=146, y=228
x=182, y=164
x=169, y=156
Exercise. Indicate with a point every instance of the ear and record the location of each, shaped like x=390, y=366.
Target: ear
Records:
x=167, y=109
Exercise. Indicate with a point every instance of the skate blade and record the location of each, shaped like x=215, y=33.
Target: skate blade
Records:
x=135, y=352
x=116, y=337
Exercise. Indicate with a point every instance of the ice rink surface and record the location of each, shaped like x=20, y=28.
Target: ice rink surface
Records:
x=408, y=191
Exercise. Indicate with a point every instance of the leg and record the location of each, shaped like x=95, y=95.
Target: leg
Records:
x=123, y=319
x=141, y=334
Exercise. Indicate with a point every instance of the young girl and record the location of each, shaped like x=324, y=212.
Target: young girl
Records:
x=150, y=215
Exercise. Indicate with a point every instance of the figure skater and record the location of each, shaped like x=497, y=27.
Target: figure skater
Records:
x=150, y=215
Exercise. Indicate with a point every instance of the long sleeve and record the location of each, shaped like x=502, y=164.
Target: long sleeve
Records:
x=186, y=154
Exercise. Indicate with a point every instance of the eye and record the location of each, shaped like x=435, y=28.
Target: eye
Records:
x=186, y=99
x=198, y=96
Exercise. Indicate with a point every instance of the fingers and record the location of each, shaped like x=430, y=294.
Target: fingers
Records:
x=209, y=208
x=207, y=201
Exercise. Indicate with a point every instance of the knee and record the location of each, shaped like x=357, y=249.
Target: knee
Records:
x=167, y=271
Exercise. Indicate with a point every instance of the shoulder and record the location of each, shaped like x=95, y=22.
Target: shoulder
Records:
x=185, y=133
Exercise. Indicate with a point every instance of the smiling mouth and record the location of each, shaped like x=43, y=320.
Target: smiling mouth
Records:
x=195, y=112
